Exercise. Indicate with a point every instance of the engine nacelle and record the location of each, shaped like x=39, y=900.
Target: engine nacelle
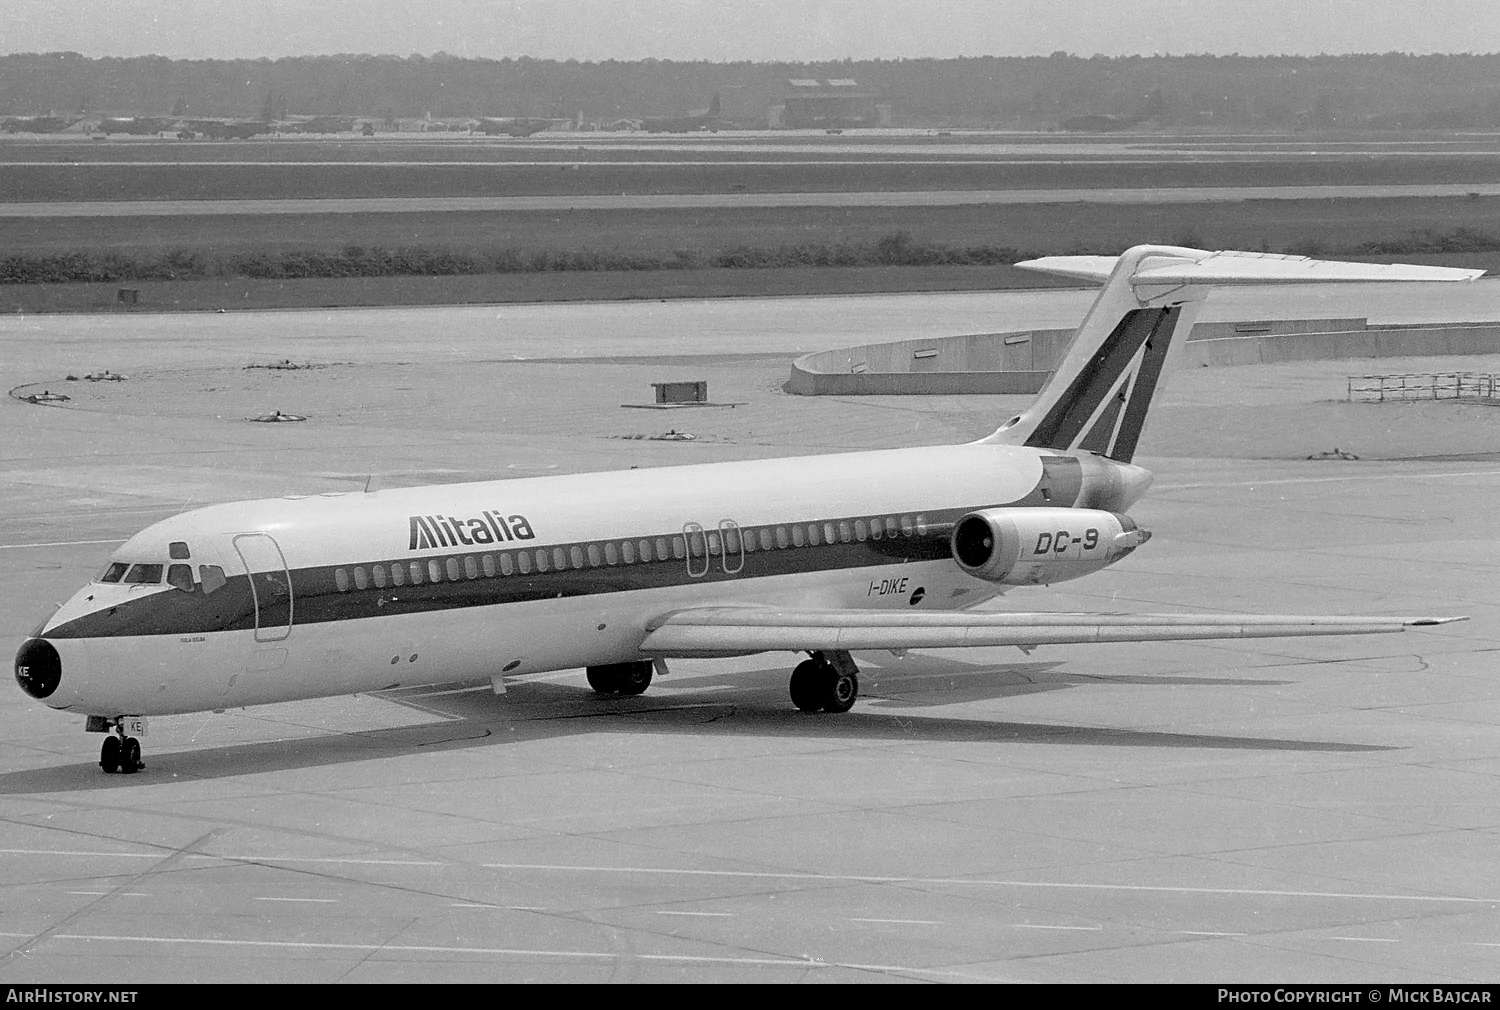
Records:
x=1039, y=546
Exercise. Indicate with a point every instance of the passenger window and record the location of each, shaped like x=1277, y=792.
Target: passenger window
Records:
x=921, y=525
x=180, y=577
x=577, y=556
x=541, y=561
x=732, y=541
x=212, y=578
x=559, y=559
x=471, y=567
x=679, y=548
x=906, y=526
x=178, y=551
x=434, y=570
x=143, y=575
x=114, y=572
x=713, y=543
x=766, y=540
x=611, y=555
x=398, y=574
x=452, y=566
x=523, y=562
x=416, y=573
x=799, y=539
x=812, y=534
x=361, y=579
x=627, y=550
x=341, y=580
x=749, y=537
x=377, y=572
x=644, y=547
x=594, y=558
x=830, y=534
x=488, y=563
x=663, y=550
x=875, y=525
x=860, y=530
x=890, y=526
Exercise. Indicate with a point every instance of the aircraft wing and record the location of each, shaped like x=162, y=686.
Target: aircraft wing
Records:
x=719, y=631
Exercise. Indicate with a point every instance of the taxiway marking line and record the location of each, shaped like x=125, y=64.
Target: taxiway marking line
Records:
x=903, y=922
x=972, y=881
x=230, y=858
x=321, y=901
x=706, y=915
x=1364, y=939
x=590, y=955
x=1080, y=929
x=1327, y=480
x=1202, y=932
x=794, y=875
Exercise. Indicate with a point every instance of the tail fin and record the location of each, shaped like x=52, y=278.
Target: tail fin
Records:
x=1097, y=399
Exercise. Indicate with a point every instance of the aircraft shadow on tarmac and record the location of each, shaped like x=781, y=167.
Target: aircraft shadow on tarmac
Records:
x=542, y=709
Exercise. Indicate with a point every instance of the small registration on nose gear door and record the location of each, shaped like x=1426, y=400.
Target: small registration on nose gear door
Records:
x=270, y=585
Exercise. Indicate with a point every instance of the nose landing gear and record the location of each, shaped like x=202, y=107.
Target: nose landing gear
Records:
x=119, y=753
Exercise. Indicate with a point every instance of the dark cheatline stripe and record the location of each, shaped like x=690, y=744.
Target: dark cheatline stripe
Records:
x=1065, y=421
x=1144, y=386
x=316, y=598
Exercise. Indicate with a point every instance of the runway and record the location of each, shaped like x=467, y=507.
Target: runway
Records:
x=1308, y=810
x=659, y=201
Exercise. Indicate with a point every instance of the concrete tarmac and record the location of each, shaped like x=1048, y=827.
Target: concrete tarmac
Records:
x=1269, y=811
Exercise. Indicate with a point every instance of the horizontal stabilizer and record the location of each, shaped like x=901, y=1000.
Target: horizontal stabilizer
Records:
x=714, y=631
x=1098, y=397
x=1197, y=266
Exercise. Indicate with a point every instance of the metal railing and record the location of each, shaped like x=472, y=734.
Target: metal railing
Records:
x=1424, y=386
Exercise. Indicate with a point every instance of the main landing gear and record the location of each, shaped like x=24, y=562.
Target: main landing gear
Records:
x=120, y=753
x=828, y=682
x=621, y=678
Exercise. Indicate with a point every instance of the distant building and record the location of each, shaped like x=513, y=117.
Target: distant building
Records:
x=832, y=104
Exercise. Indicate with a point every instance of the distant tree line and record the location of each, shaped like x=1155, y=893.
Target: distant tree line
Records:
x=890, y=250
x=1389, y=90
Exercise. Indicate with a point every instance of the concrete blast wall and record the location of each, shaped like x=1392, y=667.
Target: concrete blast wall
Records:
x=1020, y=362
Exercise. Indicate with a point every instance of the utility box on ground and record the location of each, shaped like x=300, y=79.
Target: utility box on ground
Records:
x=681, y=392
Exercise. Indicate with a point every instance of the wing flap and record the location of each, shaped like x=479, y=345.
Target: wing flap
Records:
x=732, y=630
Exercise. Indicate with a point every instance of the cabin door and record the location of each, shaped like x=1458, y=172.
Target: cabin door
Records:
x=270, y=585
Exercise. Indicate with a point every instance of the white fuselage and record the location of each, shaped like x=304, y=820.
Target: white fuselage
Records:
x=467, y=583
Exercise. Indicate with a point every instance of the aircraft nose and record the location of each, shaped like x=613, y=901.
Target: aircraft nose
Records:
x=38, y=668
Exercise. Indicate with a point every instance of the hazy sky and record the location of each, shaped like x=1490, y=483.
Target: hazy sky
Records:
x=796, y=30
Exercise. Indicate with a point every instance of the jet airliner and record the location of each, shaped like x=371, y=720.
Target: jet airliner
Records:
x=307, y=596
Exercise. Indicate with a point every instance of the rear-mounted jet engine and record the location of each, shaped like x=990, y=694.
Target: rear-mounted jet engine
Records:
x=1039, y=546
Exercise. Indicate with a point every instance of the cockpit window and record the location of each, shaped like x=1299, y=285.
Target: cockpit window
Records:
x=143, y=574
x=212, y=577
x=180, y=577
x=114, y=572
x=177, y=550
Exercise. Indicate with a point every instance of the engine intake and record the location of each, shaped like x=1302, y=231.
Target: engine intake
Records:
x=1039, y=546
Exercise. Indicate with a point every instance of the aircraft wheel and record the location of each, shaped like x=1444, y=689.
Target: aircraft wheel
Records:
x=109, y=755
x=603, y=679
x=807, y=688
x=840, y=692
x=634, y=678
x=130, y=755
x=621, y=678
